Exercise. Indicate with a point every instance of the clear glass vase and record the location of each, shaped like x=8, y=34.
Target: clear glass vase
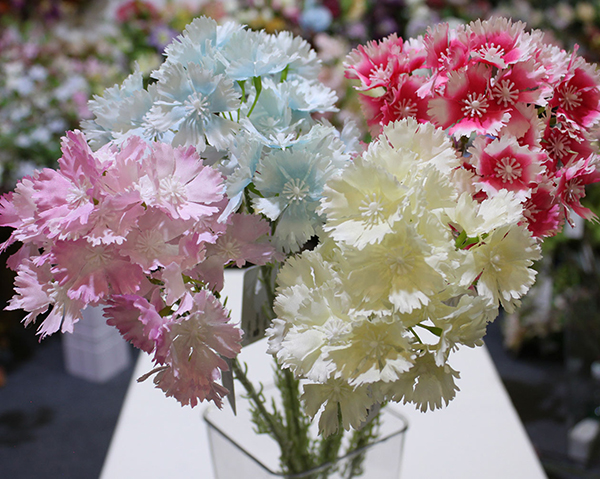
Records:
x=238, y=452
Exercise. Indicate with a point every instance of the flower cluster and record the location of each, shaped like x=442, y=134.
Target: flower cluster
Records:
x=522, y=112
x=131, y=227
x=145, y=226
x=246, y=101
x=565, y=23
x=407, y=253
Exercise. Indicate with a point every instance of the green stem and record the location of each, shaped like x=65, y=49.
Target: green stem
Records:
x=415, y=334
x=275, y=429
x=257, y=82
x=267, y=281
x=284, y=73
x=297, y=425
x=290, y=426
x=292, y=459
x=361, y=438
x=432, y=329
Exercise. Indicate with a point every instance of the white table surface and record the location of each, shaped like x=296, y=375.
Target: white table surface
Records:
x=479, y=435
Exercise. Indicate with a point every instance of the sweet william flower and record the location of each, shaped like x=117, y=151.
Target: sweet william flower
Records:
x=477, y=219
x=119, y=112
x=433, y=385
x=246, y=240
x=291, y=182
x=394, y=273
x=400, y=170
x=543, y=213
x=64, y=198
x=178, y=182
x=37, y=293
x=187, y=386
x=504, y=164
x=252, y=54
x=336, y=395
x=524, y=82
x=18, y=210
x=157, y=239
x=578, y=96
x=91, y=273
x=244, y=153
x=190, y=101
x=137, y=320
x=199, y=41
x=563, y=144
x=501, y=264
x=362, y=204
x=428, y=144
x=114, y=217
x=309, y=96
x=403, y=101
x=192, y=350
x=446, y=49
x=498, y=42
x=303, y=60
x=466, y=105
x=462, y=323
x=317, y=321
x=311, y=269
x=377, y=64
x=571, y=186
x=377, y=349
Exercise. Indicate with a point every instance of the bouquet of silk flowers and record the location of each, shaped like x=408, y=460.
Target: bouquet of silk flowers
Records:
x=379, y=258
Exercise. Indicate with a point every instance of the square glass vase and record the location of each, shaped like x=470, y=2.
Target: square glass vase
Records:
x=239, y=452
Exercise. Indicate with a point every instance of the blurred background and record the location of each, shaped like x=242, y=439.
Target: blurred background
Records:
x=57, y=412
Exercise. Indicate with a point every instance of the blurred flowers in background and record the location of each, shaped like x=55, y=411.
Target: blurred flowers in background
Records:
x=50, y=70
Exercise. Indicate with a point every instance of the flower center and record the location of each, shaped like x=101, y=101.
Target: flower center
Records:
x=336, y=330
x=557, y=146
x=445, y=59
x=476, y=105
x=505, y=92
x=496, y=262
x=150, y=243
x=198, y=104
x=98, y=256
x=508, y=169
x=230, y=249
x=371, y=210
x=380, y=75
x=400, y=262
x=172, y=190
x=77, y=196
x=531, y=211
x=570, y=98
x=295, y=190
x=490, y=52
x=406, y=108
x=574, y=190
